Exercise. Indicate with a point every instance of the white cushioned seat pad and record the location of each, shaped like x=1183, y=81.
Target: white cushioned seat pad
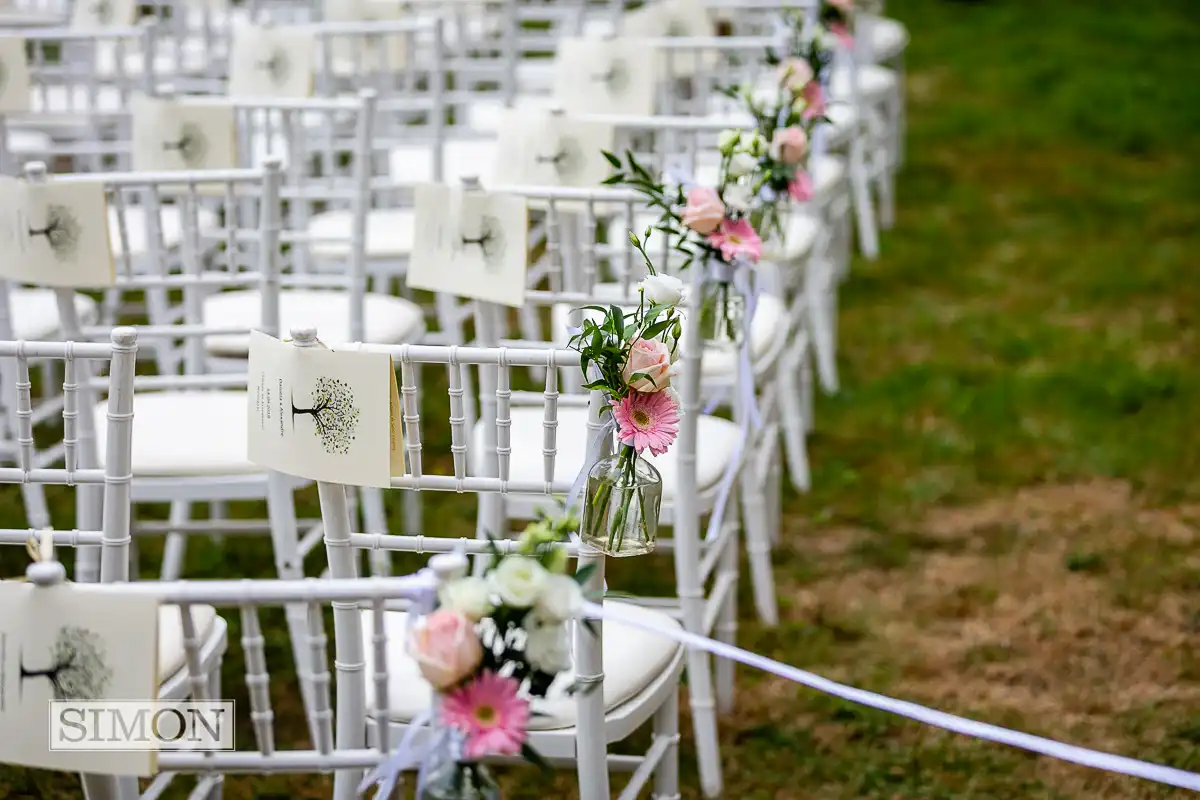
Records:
x=185, y=433
x=170, y=222
x=799, y=233
x=171, y=655
x=889, y=37
x=389, y=233
x=24, y=142
x=35, y=312
x=719, y=439
x=633, y=659
x=387, y=319
x=461, y=158
x=716, y=361
x=874, y=82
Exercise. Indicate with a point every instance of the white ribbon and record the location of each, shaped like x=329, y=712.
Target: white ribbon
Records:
x=980, y=730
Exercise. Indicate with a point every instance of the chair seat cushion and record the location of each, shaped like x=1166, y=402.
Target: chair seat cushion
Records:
x=889, y=38
x=185, y=434
x=874, y=83
x=799, y=233
x=718, y=438
x=135, y=217
x=171, y=655
x=716, y=362
x=24, y=142
x=387, y=319
x=633, y=659
x=35, y=312
x=389, y=233
x=461, y=158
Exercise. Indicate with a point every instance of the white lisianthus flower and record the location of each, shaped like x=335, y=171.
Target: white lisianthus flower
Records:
x=471, y=597
x=547, y=645
x=728, y=141
x=662, y=289
x=758, y=145
x=741, y=164
x=518, y=580
x=738, y=197
x=561, y=598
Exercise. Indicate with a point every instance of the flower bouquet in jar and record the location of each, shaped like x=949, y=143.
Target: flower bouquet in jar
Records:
x=630, y=356
x=492, y=645
x=711, y=226
x=786, y=117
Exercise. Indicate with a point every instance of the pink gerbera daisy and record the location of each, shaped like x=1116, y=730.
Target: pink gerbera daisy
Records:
x=647, y=420
x=736, y=239
x=490, y=713
x=800, y=187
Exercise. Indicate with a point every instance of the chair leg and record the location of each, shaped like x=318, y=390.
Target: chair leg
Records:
x=175, y=547
x=864, y=212
x=666, y=726
x=819, y=299
x=37, y=512
x=758, y=545
x=793, y=376
x=726, y=627
x=107, y=787
x=285, y=541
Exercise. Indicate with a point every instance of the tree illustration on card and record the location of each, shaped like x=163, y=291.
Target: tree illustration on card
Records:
x=566, y=158
x=615, y=78
x=192, y=145
x=61, y=230
x=277, y=67
x=490, y=240
x=334, y=414
x=78, y=665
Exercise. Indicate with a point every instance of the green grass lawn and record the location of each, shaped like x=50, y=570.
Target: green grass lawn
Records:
x=1005, y=520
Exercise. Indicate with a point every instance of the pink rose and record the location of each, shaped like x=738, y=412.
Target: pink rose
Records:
x=844, y=5
x=789, y=145
x=796, y=74
x=814, y=95
x=651, y=358
x=704, y=210
x=800, y=188
x=446, y=648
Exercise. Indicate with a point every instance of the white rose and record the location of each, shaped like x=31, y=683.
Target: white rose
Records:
x=738, y=197
x=742, y=164
x=662, y=289
x=471, y=597
x=561, y=598
x=547, y=645
x=519, y=581
x=728, y=140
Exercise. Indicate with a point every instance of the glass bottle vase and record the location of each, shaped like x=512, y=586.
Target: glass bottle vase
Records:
x=722, y=308
x=621, y=506
x=460, y=780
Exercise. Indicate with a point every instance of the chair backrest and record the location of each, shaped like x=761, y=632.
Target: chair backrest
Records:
x=103, y=489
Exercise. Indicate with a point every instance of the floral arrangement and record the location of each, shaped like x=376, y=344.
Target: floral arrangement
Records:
x=710, y=225
x=630, y=355
x=493, y=643
x=786, y=118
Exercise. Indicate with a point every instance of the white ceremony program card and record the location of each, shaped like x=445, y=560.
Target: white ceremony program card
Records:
x=72, y=642
x=324, y=415
x=55, y=234
x=90, y=15
x=606, y=76
x=470, y=243
x=173, y=135
x=14, y=76
x=270, y=61
x=548, y=148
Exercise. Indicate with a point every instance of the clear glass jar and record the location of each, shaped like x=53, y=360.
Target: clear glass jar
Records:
x=620, y=510
x=722, y=312
x=460, y=780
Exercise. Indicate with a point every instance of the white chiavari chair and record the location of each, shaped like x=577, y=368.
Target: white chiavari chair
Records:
x=190, y=645
x=637, y=677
